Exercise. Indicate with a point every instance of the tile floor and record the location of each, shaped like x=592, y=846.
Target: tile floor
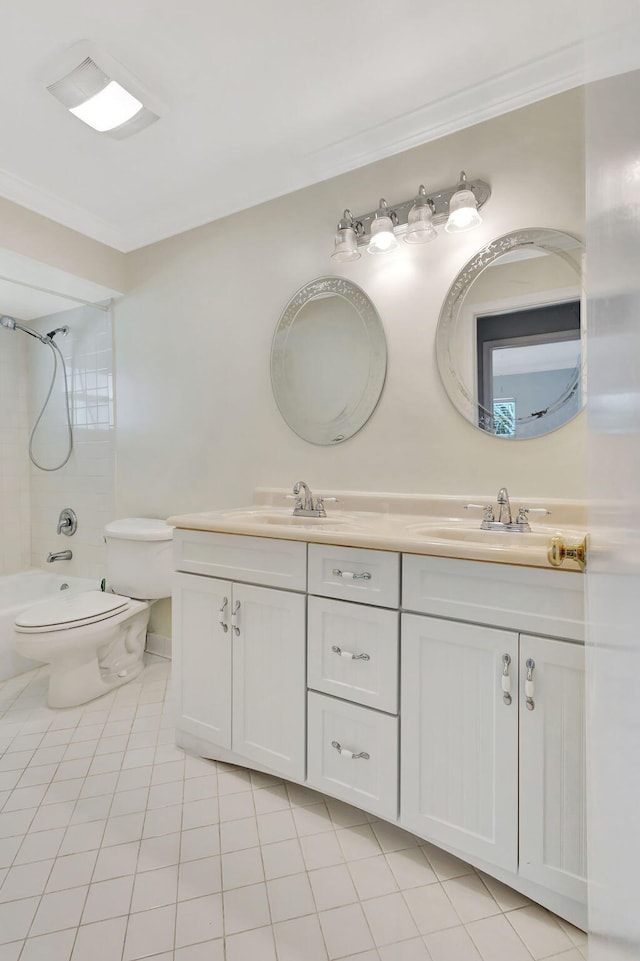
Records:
x=115, y=845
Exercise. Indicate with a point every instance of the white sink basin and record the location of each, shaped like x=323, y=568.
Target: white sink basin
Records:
x=474, y=535
x=282, y=518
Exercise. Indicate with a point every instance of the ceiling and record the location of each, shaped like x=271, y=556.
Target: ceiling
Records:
x=258, y=99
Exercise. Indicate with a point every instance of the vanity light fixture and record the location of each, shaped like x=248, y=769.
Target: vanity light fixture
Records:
x=414, y=220
x=92, y=94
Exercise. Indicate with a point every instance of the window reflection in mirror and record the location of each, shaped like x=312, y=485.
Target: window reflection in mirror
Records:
x=528, y=365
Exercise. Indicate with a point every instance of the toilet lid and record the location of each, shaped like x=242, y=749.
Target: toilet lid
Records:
x=86, y=607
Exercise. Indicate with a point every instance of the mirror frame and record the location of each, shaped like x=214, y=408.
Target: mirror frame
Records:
x=338, y=429
x=554, y=242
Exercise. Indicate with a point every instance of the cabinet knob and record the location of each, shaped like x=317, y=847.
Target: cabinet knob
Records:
x=559, y=552
x=345, y=752
x=349, y=655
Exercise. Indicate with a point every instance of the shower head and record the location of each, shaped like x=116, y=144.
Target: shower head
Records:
x=11, y=324
x=59, y=330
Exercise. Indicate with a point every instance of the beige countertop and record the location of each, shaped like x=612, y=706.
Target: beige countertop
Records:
x=413, y=524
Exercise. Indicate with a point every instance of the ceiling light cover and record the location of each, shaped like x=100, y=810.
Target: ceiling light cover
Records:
x=346, y=240
x=420, y=229
x=101, y=102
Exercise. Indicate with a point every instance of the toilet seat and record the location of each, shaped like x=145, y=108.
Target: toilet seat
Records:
x=75, y=610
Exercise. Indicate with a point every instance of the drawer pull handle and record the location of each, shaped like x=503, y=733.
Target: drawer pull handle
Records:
x=506, y=679
x=343, y=752
x=349, y=655
x=221, y=615
x=350, y=575
x=234, y=619
x=529, y=685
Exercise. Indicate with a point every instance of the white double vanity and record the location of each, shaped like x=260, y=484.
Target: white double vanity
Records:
x=395, y=656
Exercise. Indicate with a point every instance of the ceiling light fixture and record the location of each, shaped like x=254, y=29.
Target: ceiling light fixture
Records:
x=103, y=96
x=456, y=207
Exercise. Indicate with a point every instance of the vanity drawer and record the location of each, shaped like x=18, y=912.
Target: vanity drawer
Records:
x=500, y=595
x=353, y=652
x=355, y=574
x=255, y=560
x=369, y=782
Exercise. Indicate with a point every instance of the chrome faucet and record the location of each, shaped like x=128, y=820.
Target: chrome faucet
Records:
x=505, y=520
x=504, y=514
x=59, y=556
x=306, y=507
x=67, y=522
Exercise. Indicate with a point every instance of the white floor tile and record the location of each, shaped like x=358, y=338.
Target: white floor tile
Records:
x=199, y=878
x=470, y=898
x=444, y=864
x=496, y=940
x=332, y=887
x=389, y=919
x=150, y=932
x=506, y=898
x=270, y=799
x=232, y=807
x=358, y=842
x=102, y=941
x=251, y=945
x=240, y=868
x=159, y=852
x=290, y=897
x=345, y=931
x=282, y=858
x=59, y=910
x=199, y=920
x=413, y=950
x=25, y=880
x=108, y=899
x=200, y=843
x=454, y=944
x=246, y=908
x=155, y=889
x=411, y=868
x=50, y=947
x=71, y=871
x=237, y=835
x=277, y=826
x=539, y=930
x=116, y=862
x=373, y=877
x=300, y=938
x=321, y=850
x=205, y=951
x=16, y=918
x=431, y=908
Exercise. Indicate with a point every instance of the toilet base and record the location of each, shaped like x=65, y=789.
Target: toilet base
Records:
x=93, y=659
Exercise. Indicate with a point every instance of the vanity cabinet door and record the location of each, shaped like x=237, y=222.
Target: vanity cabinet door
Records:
x=552, y=766
x=202, y=655
x=269, y=684
x=459, y=740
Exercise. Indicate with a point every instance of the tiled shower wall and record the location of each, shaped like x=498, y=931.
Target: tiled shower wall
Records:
x=86, y=482
x=15, y=534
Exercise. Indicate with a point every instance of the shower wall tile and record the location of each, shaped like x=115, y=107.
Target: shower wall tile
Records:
x=86, y=482
x=15, y=547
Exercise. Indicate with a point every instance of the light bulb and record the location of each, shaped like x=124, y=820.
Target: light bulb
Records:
x=420, y=229
x=382, y=236
x=463, y=209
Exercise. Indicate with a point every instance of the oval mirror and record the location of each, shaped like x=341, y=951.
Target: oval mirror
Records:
x=509, y=342
x=328, y=360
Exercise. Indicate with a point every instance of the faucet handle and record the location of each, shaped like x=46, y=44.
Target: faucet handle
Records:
x=524, y=511
x=487, y=508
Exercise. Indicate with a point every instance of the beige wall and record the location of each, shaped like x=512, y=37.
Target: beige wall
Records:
x=197, y=424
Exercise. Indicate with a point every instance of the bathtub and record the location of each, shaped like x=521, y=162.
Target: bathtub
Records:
x=19, y=591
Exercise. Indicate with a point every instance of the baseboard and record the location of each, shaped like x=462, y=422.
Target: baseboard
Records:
x=159, y=644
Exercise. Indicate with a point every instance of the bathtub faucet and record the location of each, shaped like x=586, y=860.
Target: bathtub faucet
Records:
x=60, y=556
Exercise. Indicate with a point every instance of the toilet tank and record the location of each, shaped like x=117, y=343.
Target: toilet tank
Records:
x=139, y=557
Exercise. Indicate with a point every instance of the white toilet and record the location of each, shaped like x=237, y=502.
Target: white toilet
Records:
x=94, y=641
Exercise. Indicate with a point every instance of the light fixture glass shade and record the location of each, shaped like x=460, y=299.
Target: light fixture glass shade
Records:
x=420, y=229
x=109, y=108
x=382, y=236
x=463, y=209
x=345, y=245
